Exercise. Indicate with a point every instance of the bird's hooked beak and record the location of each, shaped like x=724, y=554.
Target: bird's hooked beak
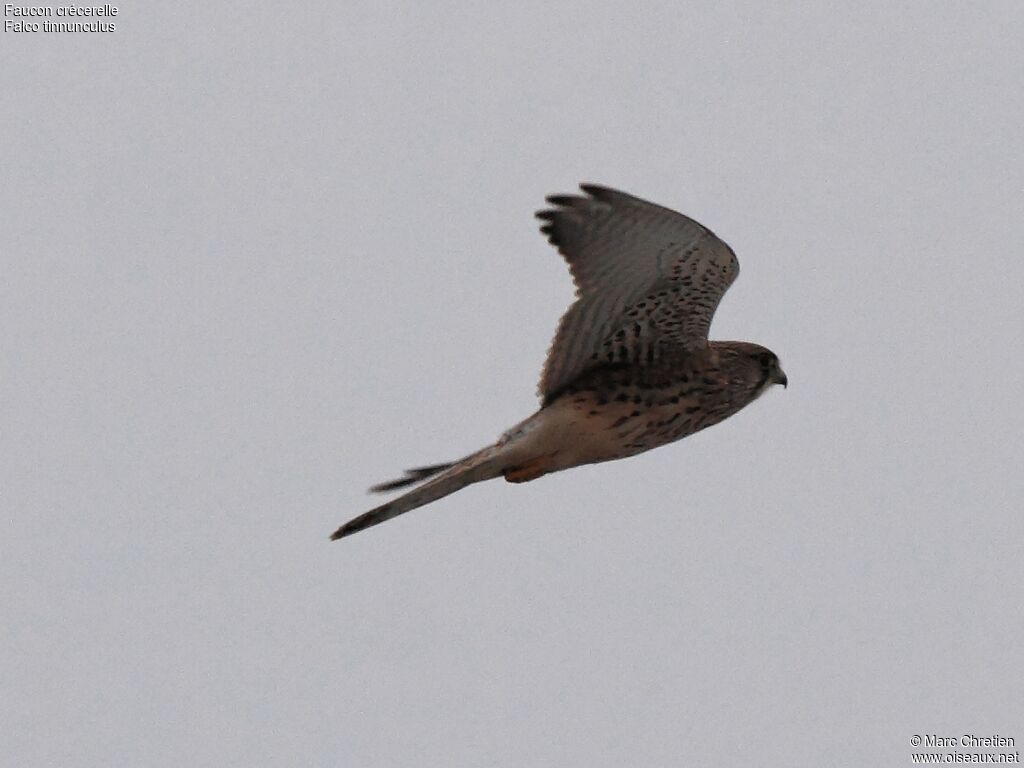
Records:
x=780, y=377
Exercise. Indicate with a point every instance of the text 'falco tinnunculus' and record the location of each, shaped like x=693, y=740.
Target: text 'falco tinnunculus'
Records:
x=631, y=367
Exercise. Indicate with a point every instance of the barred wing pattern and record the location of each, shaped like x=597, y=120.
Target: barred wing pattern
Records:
x=648, y=281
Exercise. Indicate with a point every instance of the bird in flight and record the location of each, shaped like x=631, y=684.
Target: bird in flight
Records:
x=631, y=367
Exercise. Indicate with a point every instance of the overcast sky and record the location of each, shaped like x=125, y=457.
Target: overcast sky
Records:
x=257, y=257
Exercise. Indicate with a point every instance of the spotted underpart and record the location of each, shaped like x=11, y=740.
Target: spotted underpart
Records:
x=643, y=407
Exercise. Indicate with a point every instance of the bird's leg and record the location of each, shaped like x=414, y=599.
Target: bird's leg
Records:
x=530, y=470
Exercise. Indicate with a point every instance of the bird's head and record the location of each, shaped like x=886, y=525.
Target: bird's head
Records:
x=751, y=365
x=771, y=370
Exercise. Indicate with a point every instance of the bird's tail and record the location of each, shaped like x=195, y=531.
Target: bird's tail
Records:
x=482, y=465
x=412, y=476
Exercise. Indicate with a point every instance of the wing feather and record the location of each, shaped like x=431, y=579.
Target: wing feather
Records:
x=647, y=279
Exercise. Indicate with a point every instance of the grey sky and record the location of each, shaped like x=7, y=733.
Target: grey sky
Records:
x=257, y=257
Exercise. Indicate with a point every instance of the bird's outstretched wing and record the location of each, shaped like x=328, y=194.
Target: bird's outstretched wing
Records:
x=648, y=279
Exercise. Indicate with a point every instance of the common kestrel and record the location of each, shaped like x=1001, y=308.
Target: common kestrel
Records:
x=631, y=367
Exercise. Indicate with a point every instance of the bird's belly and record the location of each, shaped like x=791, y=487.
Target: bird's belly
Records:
x=590, y=427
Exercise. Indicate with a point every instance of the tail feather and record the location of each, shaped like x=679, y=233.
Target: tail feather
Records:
x=411, y=476
x=483, y=465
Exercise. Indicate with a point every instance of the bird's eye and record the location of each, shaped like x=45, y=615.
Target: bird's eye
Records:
x=766, y=359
